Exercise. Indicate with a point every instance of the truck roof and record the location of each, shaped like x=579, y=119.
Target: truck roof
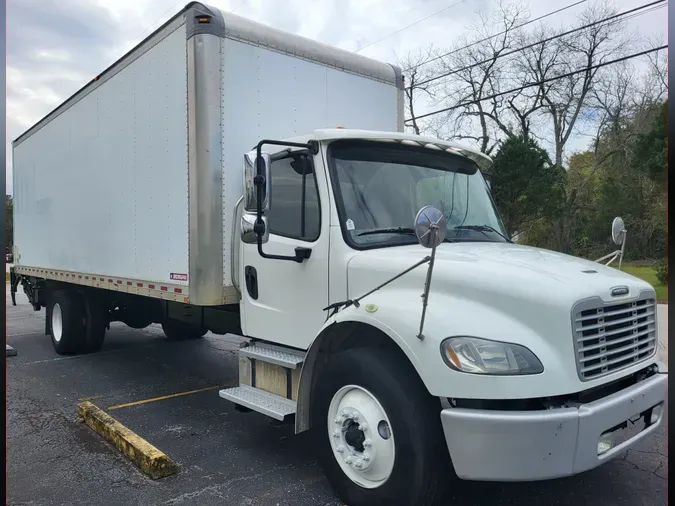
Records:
x=328, y=134
x=227, y=25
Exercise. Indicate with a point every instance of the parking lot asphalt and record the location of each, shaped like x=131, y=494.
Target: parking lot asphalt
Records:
x=225, y=457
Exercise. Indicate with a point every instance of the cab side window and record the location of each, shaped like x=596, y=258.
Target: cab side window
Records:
x=294, y=205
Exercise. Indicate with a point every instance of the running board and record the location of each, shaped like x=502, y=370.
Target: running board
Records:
x=269, y=404
x=273, y=355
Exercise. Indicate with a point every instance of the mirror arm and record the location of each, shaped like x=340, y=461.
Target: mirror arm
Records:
x=623, y=248
x=259, y=181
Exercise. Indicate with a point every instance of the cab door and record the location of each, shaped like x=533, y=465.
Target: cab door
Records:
x=283, y=300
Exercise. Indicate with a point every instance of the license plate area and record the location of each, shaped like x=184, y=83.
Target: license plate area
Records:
x=630, y=428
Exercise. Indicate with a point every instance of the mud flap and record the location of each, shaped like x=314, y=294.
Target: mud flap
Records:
x=48, y=320
x=13, y=283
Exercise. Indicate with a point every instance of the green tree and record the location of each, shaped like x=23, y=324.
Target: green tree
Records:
x=650, y=152
x=526, y=185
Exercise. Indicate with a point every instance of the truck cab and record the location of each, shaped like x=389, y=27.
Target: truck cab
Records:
x=531, y=364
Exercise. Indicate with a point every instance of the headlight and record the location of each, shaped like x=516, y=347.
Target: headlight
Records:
x=480, y=356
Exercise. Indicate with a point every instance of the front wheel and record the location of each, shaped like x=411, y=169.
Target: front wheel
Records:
x=378, y=431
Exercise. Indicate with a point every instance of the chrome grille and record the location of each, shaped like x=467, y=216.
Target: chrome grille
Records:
x=611, y=337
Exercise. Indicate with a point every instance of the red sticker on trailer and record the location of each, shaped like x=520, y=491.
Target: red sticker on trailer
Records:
x=178, y=277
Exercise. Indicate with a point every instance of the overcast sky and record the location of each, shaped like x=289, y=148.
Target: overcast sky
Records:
x=56, y=46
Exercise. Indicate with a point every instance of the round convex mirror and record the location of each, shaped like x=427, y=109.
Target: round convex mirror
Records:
x=430, y=227
x=618, y=229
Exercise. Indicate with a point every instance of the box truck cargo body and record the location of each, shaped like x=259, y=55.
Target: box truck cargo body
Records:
x=135, y=177
x=224, y=176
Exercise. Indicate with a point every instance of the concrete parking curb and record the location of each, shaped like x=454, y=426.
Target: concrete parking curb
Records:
x=10, y=352
x=151, y=461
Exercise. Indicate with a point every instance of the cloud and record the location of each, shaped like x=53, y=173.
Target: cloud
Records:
x=52, y=51
x=54, y=47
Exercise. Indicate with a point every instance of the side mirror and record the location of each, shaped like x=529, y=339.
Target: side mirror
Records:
x=251, y=163
x=248, y=234
x=618, y=231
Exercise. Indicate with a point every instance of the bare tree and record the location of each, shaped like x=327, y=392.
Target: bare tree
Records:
x=617, y=99
x=564, y=100
x=654, y=87
x=497, y=54
x=478, y=72
x=416, y=72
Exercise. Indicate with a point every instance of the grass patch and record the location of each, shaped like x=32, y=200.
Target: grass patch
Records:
x=649, y=275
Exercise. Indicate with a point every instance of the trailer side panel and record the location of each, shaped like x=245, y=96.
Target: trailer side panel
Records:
x=102, y=187
x=272, y=94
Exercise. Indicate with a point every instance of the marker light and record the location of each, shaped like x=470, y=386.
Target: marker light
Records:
x=605, y=443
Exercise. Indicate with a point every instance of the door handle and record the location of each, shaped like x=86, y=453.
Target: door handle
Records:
x=302, y=254
x=251, y=277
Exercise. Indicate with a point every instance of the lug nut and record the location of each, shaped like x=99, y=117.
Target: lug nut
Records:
x=366, y=457
x=336, y=433
x=367, y=443
x=348, y=460
x=340, y=449
x=363, y=427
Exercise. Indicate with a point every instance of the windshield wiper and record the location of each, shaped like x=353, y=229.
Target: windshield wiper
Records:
x=483, y=229
x=399, y=230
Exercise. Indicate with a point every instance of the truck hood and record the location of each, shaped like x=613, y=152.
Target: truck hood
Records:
x=497, y=291
x=487, y=271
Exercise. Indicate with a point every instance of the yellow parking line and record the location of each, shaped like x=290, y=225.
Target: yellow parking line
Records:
x=163, y=397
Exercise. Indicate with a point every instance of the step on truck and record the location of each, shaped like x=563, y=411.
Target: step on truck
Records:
x=203, y=182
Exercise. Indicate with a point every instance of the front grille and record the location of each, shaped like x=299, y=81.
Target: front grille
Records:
x=611, y=337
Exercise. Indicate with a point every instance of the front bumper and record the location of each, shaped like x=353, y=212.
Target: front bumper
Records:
x=538, y=445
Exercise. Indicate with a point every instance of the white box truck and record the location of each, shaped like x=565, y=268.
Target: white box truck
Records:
x=203, y=182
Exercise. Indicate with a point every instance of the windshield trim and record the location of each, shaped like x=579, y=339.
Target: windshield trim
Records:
x=339, y=202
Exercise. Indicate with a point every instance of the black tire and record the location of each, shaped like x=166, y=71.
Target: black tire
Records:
x=97, y=319
x=175, y=330
x=67, y=325
x=421, y=463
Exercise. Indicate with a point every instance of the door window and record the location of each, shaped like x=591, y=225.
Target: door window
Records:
x=294, y=209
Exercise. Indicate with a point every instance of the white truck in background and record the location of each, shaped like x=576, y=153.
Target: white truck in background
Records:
x=200, y=182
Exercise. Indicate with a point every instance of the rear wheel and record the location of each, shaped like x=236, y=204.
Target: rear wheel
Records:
x=67, y=326
x=176, y=330
x=378, y=431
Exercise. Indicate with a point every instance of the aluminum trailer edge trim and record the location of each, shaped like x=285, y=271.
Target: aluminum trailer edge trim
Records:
x=205, y=169
x=154, y=289
x=258, y=34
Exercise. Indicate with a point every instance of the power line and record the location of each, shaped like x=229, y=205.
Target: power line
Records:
x=652, y=5
x=411, y=25
x=498, y=34
x=539, y=83
x=239, y=5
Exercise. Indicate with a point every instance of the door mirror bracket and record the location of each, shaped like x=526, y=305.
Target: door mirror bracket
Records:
x=257, y=193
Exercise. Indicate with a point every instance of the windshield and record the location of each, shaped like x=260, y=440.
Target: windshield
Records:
x=380, y=188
